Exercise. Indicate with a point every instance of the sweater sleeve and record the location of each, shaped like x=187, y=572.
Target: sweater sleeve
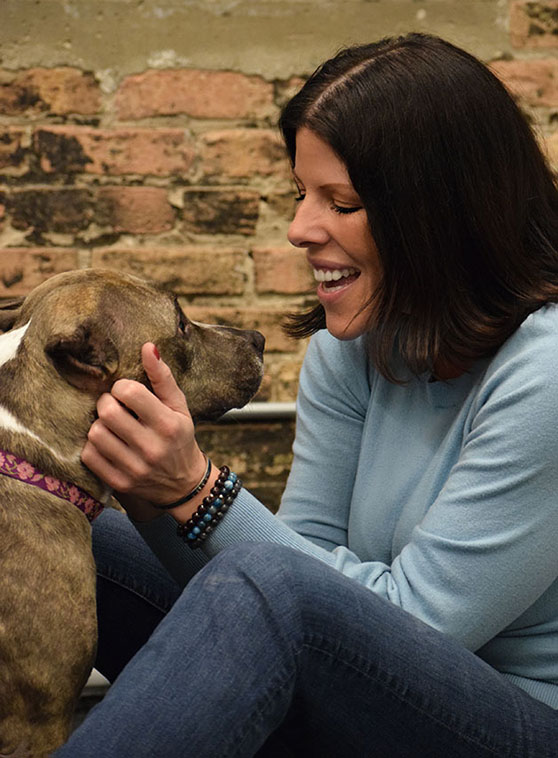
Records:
x=331, y=408
x=485, y=550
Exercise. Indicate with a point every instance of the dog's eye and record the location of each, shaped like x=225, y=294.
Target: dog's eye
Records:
x=183, y=325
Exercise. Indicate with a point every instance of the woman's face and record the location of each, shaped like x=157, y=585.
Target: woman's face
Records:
x=331, y=224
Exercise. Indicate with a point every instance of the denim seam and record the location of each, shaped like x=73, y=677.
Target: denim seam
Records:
x=394, y=692
x=135, y=592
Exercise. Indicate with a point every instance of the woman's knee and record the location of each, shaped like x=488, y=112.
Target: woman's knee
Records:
x=278, y=580
x=263, y=575
x=263, y=564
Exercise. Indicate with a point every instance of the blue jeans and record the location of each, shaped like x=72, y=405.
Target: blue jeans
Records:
x=270, y=653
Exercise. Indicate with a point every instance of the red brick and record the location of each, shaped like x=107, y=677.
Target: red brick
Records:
x=221, y=211
x=184, y=270
x=75, y=149
x=534, y=24
x=135, y=210
x=59, y=91
x=266, y=320
x=535, y=82
x=66, y=211
x=240, y=154
x=282, y=270
x=200, y=94
x=22, y=269
x=12, y=152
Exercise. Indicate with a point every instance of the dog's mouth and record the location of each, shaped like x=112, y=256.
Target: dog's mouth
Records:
x=210, y=416
x=213, y=412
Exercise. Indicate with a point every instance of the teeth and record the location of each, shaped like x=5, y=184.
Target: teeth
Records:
x=333, y=275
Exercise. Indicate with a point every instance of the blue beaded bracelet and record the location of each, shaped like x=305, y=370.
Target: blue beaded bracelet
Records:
x=211, y=510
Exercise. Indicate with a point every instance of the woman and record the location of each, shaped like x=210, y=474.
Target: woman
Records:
x=404, y=602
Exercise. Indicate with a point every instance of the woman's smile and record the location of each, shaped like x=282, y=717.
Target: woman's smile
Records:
x=335, y=278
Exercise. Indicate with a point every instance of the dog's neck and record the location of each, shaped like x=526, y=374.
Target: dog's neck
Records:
x=52, y=441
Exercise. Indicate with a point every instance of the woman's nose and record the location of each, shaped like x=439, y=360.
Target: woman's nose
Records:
x=307, y=227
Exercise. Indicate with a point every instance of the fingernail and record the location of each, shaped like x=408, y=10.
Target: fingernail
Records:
x=156, y=353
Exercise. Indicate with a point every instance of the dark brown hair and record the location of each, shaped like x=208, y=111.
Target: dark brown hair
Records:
x=460, y=200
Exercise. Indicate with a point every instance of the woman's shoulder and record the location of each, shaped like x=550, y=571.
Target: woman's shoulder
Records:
x=337, y=365
x=536, y=338
x=342, y=357
x=542, y=321
x=529, y=357
x=516, y=392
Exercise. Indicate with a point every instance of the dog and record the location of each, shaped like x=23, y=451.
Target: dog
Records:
x=61, y=347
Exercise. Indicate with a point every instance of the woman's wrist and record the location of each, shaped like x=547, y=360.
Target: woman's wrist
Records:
x=188, y=491
x=137, y=508
x=191, y=493
x=142, y=510
x=182, y=513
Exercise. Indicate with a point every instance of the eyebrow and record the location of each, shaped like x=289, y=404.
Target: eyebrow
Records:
x=340, y=186
x=330, y=186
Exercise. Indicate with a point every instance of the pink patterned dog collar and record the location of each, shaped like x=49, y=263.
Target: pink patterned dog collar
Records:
x=19, y=468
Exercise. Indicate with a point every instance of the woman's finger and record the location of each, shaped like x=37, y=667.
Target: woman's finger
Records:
x=162, y=380
x=104, y=468
x=116, y=417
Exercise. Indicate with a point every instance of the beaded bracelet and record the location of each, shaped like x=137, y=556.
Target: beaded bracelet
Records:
x=198, y=488
x=211, y=510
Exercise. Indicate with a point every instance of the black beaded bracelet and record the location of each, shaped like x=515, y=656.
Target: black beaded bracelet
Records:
x=211, y=510
x=191, y=494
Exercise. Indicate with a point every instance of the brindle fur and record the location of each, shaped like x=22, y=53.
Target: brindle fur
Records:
x=86, y=331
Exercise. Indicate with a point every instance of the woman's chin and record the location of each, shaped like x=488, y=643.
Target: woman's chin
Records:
x=346, y=329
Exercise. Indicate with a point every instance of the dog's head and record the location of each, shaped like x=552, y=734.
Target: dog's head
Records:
x=87, y=327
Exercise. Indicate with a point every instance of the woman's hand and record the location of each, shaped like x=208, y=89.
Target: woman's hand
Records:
x=149, y=457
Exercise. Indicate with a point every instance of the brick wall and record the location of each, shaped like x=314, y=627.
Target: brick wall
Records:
x=167, y=163
x=177, y=175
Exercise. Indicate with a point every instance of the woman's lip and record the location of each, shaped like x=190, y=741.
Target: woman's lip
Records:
x=330, y=294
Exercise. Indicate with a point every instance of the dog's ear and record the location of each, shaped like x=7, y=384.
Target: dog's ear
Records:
x=9, y=311
x=87, y=359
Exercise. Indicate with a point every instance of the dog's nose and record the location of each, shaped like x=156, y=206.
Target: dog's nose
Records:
x=257, y=339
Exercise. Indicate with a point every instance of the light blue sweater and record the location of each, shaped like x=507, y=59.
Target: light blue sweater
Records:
x=441, y=497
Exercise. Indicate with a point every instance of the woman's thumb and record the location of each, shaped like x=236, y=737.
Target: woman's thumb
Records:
x=162, y=380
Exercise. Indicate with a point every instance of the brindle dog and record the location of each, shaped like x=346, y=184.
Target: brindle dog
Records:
x=62, y=347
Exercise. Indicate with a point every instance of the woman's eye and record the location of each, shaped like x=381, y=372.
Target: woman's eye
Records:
x=346, y=208
x=299, y=197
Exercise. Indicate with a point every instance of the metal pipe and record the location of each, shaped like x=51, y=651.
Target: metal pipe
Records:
x=261, y=412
